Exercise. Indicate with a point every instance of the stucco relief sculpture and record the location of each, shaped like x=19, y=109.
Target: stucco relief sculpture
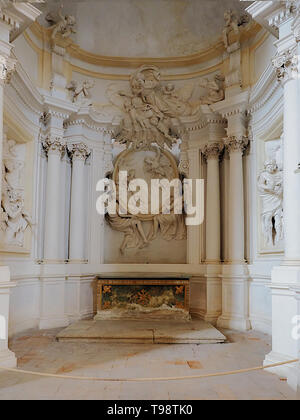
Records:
x=63, y=25
x=270, y=186
x=14, y=220
x=215, y=90
x=80, y=91
x=150, y=108
x=232, y=25
x=147, y=165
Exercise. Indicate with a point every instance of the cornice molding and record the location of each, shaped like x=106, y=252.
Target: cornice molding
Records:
x=264, y=90
x=203, y=56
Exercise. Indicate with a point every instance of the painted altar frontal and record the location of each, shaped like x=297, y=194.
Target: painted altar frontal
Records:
x=143, y=299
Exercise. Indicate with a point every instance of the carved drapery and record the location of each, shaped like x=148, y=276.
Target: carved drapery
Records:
x=286, y=65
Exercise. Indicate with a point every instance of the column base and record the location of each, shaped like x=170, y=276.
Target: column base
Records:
x=290, y=372
x=235, y=298
x=49, y=323
x=234, y=323
x=213, y=289
x=285, y=288
x=8, y=359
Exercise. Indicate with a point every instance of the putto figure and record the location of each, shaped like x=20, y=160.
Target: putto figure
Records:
x=80, y=91
x=232, y=24
x=270, y=186
x=64, y=26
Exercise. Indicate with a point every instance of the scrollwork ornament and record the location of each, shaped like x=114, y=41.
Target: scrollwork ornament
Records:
x=7, y=68
x=236, y=143
x=79, y=151
x=286, y=65
x=54, y=145
x=212, y=150
x=184, y=166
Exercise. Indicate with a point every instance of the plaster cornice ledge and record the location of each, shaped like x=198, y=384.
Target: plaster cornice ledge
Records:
x=19, y=15
x=264, y=89
x=261, y=12
x=235, y=105
x=64, y=108
x=26, y=90
x=85, y=118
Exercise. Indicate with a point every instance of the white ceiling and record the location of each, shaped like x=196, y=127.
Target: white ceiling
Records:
x=147, y=28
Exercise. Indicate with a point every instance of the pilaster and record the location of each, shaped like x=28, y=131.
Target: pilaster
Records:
x=285, y=17
x=14, y=19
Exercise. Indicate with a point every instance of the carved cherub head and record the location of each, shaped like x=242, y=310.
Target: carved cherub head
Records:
x=271, y=166
x=70, y=20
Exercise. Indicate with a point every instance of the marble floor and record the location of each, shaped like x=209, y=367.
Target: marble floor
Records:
x=39, y=351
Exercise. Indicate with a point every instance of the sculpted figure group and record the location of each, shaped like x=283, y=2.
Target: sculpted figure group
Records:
x=14, y=220
x=150, y=108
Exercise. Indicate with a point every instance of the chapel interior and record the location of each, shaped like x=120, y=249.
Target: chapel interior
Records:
x=202, y=95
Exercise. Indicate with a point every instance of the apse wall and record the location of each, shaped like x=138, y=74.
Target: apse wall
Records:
x=72, y=290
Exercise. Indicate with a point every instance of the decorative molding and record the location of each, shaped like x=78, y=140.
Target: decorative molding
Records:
x=212, y=150
x=54, y=145
x=286, y=65
x=209, y=54
x=78, y=151
x=236, y=143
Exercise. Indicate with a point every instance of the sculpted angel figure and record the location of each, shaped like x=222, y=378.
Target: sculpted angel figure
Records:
x=215, y=87
x=80, y=90
x=270, y=186
x=231, y=24
x=131, y=226
x=65, y=25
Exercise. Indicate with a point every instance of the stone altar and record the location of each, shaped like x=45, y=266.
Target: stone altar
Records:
x=143, y=299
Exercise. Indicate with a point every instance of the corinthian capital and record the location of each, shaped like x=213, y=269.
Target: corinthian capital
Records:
x=79, y=151
x=212, y=150
x=54, y=145
x=236, y=143
x=7, y=68
x=286, y=65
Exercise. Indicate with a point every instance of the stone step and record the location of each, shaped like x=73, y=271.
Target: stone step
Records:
x=142, y=332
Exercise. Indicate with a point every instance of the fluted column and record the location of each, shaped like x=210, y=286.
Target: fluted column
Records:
x=213, y=218
x=235, y=288
x=78, y=154
x=7, y=358
x=236, y=147
x=54, y=148
x=193, y=232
